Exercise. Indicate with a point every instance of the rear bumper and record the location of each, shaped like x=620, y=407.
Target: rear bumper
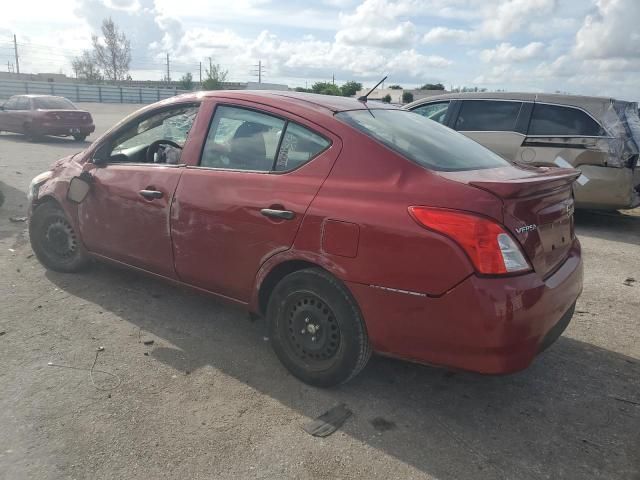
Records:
x=485, y=325
x=56, y=129
x=608, y=188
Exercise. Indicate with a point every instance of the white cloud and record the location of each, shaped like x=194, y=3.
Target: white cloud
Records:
x=611, y=32
x=377, y=23
x=507, y=53
x=444, y=35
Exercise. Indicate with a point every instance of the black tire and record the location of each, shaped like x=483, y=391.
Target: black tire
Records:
x=79, y=137
x=54, y=241
x=316, y=328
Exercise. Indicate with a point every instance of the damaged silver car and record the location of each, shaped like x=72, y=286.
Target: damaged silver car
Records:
x=598, y=136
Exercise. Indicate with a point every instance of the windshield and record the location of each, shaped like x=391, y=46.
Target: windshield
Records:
x=424, y=141
x=53, y=103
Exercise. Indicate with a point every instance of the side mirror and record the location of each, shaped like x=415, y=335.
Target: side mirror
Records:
x=79, y=188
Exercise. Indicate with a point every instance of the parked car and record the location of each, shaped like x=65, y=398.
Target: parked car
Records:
x=350, y=227
x=38, y=115
x=598, y=136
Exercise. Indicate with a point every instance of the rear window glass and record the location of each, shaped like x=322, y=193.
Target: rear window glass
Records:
x=53, y=103
x=551, y=120
x=423, y=141
x=487, y=115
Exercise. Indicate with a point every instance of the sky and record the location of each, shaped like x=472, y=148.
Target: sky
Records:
x=575, y=46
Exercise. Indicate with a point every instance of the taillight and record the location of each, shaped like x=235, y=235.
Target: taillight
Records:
x=491, y=249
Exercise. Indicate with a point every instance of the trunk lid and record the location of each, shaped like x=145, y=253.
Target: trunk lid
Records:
x=537, y=208
x=66, y=116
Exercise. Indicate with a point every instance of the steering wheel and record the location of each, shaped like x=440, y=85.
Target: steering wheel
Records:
x=153, y=148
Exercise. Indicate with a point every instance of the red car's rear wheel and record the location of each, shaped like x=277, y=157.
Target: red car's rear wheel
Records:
x=316, y=328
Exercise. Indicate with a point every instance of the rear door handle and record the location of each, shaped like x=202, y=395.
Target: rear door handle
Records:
x=282, y=214
x=151, y=194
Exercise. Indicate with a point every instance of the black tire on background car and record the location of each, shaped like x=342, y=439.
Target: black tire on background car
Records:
x=316, y=328
x=79, y=137
x=54, y=240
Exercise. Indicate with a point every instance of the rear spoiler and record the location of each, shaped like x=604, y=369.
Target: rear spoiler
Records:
x=550, y=180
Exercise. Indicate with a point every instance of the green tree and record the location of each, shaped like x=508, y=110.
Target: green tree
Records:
x=350, y=88
x=407, y=97
x=86, y=67
x=432, y=86
x=302, y=89
x=186, y=82
x=395, y=87
x=386, y=98
x=325, y=88
x=113, y=52
x=214, y=77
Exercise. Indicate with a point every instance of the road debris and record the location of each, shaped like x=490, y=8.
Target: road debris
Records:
x=148, y=342
x=630, y=281
x=17, y=219
x=91, y=370
x=2, y=333
x=382, y=424
x=328, y=422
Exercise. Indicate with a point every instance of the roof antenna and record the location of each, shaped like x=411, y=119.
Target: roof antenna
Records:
x=363, y=98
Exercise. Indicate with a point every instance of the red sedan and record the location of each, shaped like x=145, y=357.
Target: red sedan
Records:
x=350, y=227
x=38, y=115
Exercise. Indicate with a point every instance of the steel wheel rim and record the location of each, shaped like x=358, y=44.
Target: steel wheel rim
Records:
x=60, y=239
x=310, y=329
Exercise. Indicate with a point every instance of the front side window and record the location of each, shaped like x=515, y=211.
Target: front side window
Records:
x=433, y=111
x=242, y=139
x=488, y=116
x=427, y=143
x=11, y=104
x=553, y=120
x=156, y=138
x=53, y=103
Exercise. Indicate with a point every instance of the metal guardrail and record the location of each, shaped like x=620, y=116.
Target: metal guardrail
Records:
x=77, y=92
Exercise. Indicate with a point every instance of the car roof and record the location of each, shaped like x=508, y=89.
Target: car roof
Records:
x=322, y=103
x=35, y=95
x=596, y=106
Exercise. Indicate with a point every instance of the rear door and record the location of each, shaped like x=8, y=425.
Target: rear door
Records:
x=245, y=199
x=494, y=124
x=568, y=133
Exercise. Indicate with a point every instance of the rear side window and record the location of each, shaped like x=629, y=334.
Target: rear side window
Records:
x=553, y=120
x=242, y=139
x=299, y=145
x=23, y=103
x=433, y=111
x=11, y=104
x=488, y=115
x=426, y=143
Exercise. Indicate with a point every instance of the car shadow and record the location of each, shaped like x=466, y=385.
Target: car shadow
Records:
x=612, y=226
x=18, y=138
x=572, y=414
x=14, y=205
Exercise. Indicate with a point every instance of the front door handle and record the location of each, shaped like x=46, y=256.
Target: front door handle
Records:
x=151, y=194
x=281, y=214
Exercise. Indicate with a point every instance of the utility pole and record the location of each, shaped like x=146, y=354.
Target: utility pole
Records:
x=15, y=48
x=168, y=72
x=259, y=70
x=200, y=73
x=333, y=78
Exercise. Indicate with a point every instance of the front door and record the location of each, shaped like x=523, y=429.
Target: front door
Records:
x=126, y=215
x=246, y=199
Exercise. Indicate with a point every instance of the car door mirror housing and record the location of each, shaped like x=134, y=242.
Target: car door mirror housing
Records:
x=79, y=188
